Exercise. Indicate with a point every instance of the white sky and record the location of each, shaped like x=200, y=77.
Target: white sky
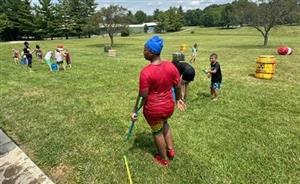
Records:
x=148, y=6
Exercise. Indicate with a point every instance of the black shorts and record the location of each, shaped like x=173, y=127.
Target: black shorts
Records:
x=188, y=74
x=60, y=62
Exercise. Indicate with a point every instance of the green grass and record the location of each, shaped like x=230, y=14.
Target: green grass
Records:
x=73, y=123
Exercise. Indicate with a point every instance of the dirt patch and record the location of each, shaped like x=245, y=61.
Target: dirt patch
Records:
x=34, y=92
x=31, y=93
x=61, y=173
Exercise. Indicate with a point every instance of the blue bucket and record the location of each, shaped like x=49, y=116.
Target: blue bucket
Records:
x=23, y=61
x=54, y=67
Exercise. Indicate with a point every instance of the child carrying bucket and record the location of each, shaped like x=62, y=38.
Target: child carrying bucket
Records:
x=48, y=60
x=156, y=81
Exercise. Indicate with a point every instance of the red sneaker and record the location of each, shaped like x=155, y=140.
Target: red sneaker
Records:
x=158, y=159
x=171, y=154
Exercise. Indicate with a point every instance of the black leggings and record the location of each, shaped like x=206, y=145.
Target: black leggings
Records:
x=29, y=62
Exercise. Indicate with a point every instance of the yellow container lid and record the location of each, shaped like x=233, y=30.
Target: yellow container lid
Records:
x=266, y=56
x=266, y=59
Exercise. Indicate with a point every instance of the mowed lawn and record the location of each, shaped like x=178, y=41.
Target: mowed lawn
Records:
x=73, y=124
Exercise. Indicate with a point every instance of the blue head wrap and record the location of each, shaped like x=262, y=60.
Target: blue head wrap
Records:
x=155, y=44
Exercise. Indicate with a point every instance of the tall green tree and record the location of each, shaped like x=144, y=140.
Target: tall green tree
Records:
x=26, y=19
x=64, y=20
x=180, y=11
x=75, y=14
x=91, y=26
x=149, y=18
x=140, y=16
x=156, y=14
x=242, y=10
x=131, y=18
x=46, y=21
x=171, y=20
x=227, y=16
x=193, y=17
x=89, y=7
x=20, y=19
x=112, y=18
x=4, y=22
x=78, y=14
x=9, y=11
x=212, y=16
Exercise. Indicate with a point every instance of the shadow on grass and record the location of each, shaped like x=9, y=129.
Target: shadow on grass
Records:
x=203, y=95
x=101, y=45
x=252, y=75
x=144, y=141
x=227, y=28
x=246, y=46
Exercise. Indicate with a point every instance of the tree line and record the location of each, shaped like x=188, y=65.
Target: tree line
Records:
x=19, y=19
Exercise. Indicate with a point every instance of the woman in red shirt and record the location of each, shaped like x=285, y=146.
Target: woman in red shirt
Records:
x=156, y=82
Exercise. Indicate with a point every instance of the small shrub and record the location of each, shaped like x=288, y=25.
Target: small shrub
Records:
x=125, y=32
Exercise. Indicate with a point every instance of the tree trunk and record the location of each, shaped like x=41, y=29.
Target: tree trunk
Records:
x=264, y=33
x=67, y=36
x=111, y=39
x=51, y=37
x=89, y=35
x=266, y=38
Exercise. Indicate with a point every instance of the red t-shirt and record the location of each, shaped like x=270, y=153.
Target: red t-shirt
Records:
x=158, y=81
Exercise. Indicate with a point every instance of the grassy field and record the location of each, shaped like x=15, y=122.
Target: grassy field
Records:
x=73, y=124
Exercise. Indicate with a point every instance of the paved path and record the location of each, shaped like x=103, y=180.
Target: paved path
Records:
x=16, y=167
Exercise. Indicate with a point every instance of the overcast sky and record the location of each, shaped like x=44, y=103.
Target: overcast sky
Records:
x=148, y=6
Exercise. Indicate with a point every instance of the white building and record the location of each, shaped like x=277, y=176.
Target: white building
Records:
x=139, y=28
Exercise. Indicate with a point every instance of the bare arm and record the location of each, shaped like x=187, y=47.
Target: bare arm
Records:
x=140, y=101
x=184, y=90
x=212, y=71
x=179, y=98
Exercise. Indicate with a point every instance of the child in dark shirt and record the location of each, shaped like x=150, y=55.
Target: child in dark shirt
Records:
x=216, y=76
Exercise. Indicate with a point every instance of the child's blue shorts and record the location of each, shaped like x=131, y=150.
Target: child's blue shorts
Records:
x=215, y=85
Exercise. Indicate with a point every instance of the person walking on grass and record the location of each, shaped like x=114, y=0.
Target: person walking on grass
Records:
x=59, y=57
x=28, y=54
x=48, y=59
x=67, y=58
x=194, y=53
x=155, y=83
x=216, y=76
x=16, y=55
x=39, y=53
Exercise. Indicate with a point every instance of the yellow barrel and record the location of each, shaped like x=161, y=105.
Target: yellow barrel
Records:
x=265, y=67
x=183, y=47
